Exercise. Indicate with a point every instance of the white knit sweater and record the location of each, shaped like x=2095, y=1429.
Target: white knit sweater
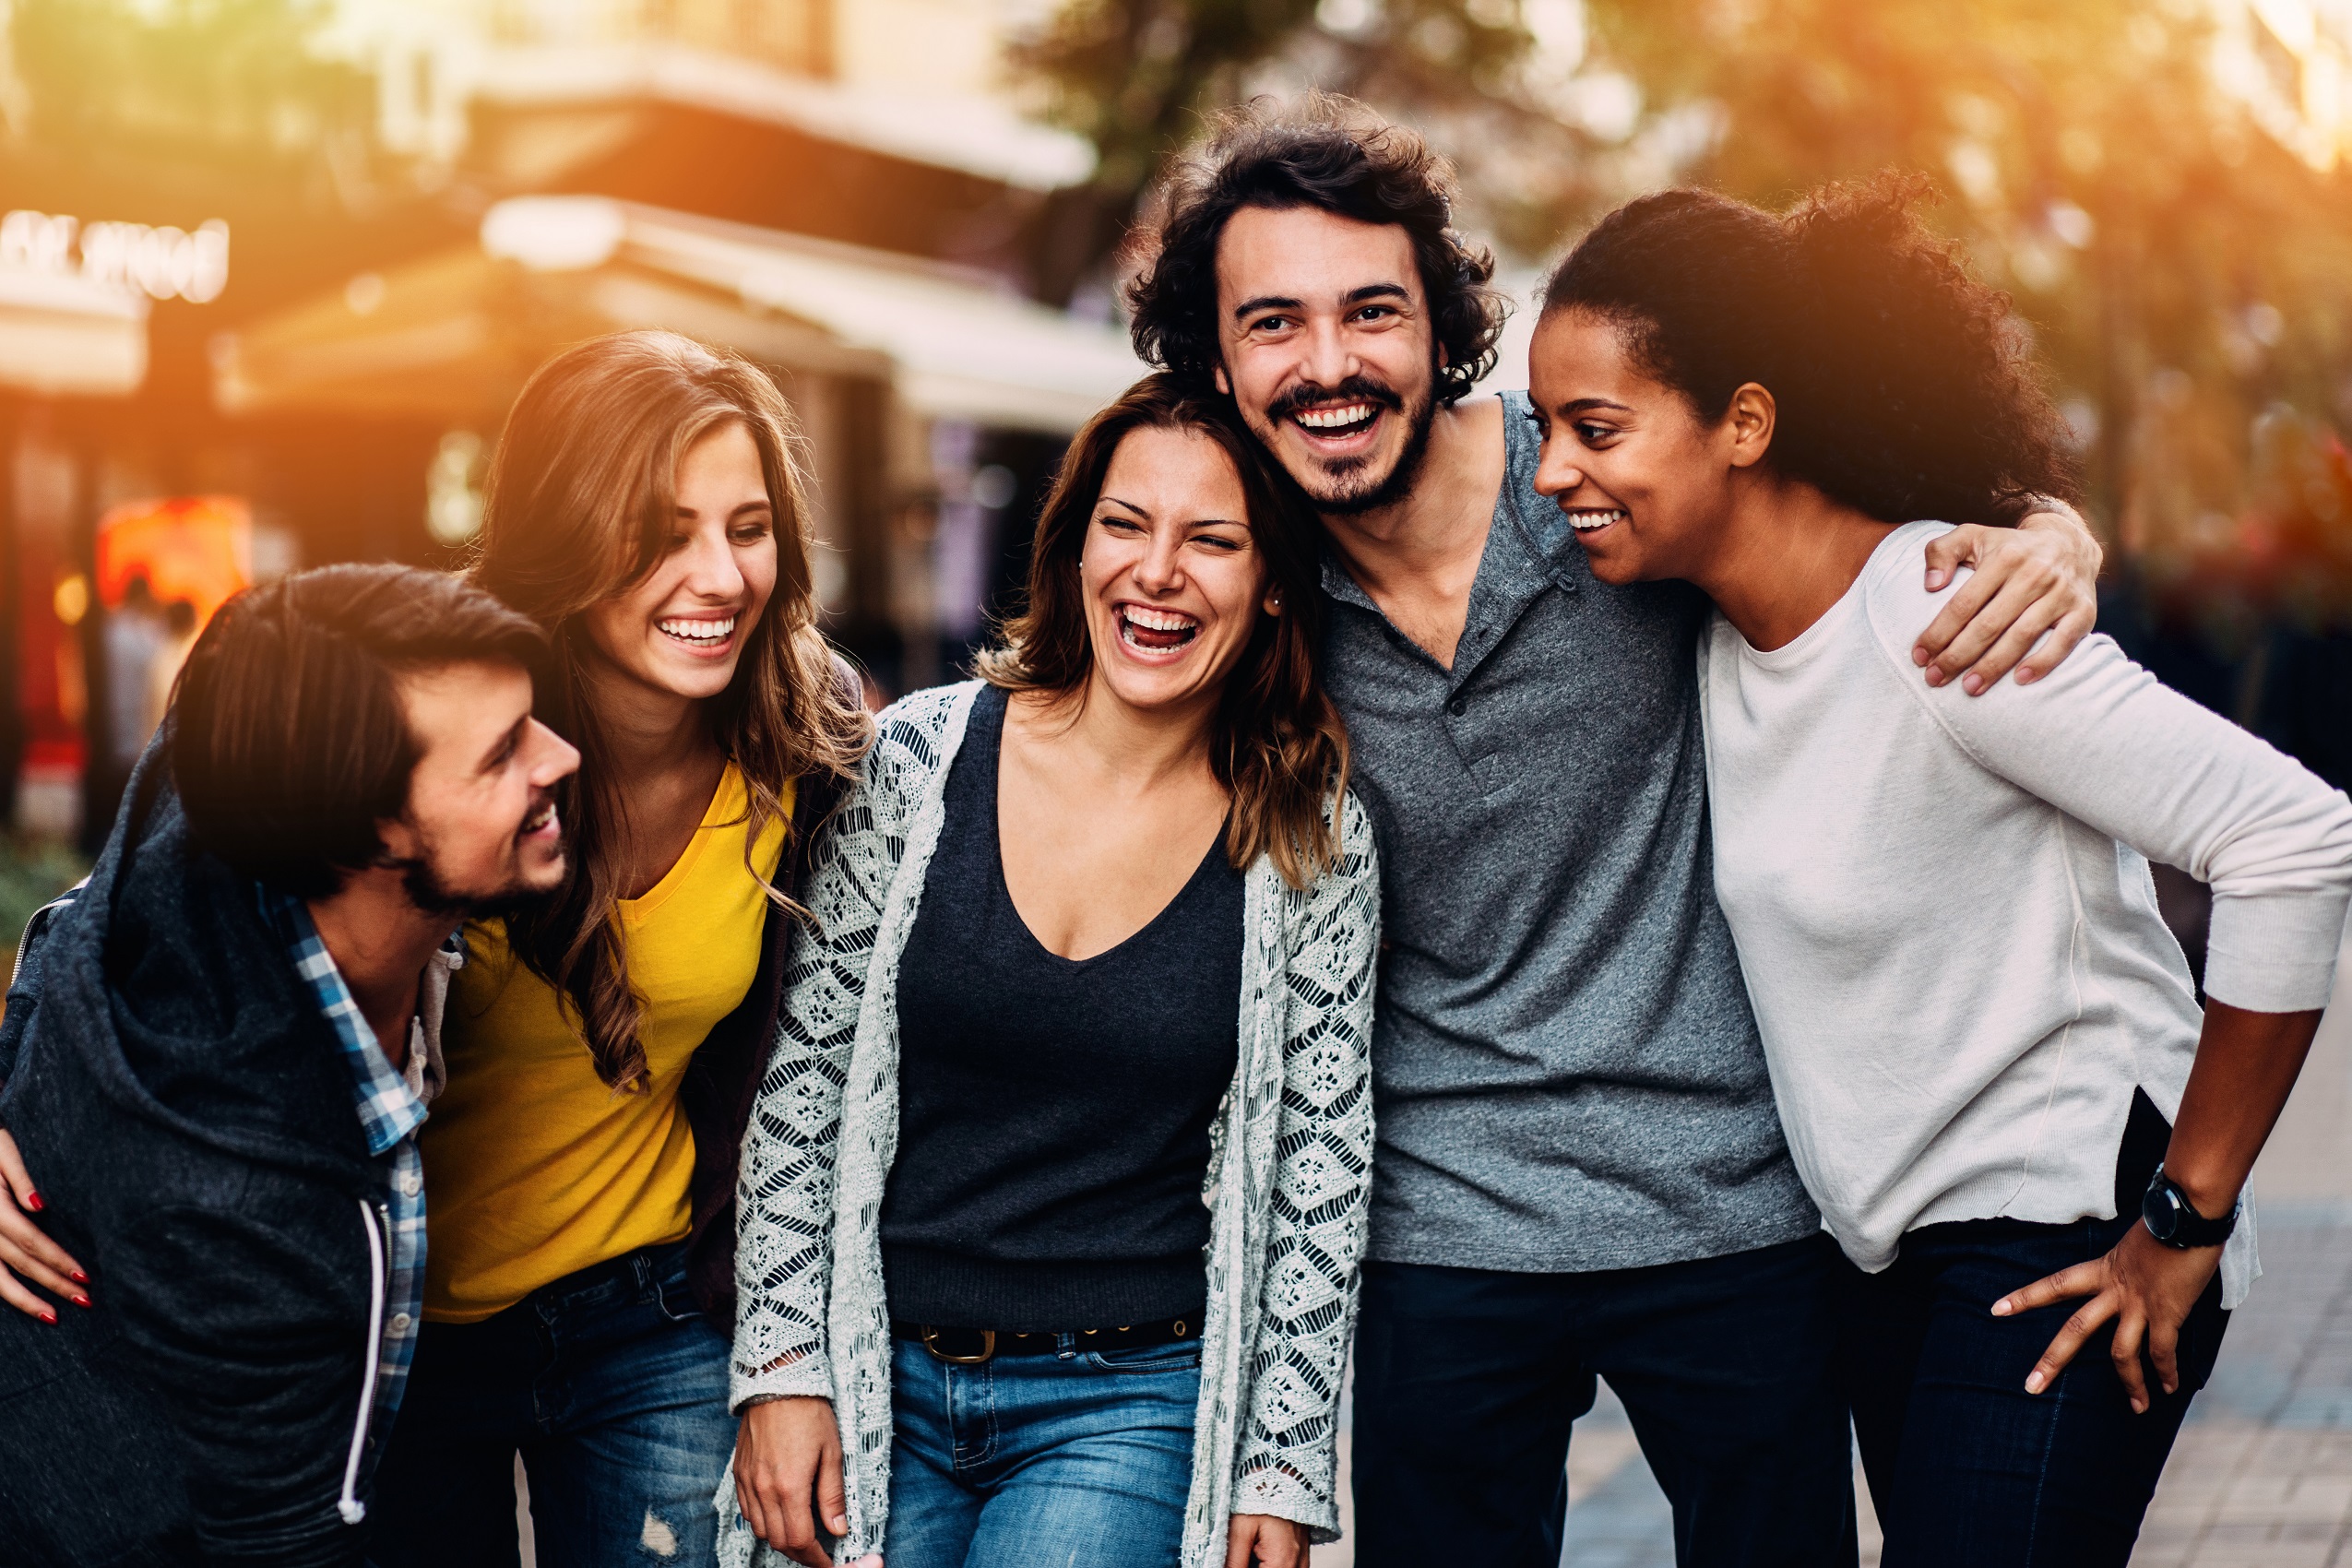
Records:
x=1287, y=1183
x=1944, y=913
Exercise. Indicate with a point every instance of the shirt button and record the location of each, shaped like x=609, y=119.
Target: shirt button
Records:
x=1457, y=708
x=410, y=1184
x=400, y=1322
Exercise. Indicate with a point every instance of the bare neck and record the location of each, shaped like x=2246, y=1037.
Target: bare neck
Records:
x=648, y=733
x=380, y=942
x=1131, y=750
x=1443, y=519
x=1784, y=554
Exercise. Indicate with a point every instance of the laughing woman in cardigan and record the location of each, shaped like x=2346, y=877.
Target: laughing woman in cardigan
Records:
x=1095, y=939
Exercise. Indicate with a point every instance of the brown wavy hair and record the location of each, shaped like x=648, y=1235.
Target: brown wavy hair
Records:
x=1276, y=743
x=581, y=503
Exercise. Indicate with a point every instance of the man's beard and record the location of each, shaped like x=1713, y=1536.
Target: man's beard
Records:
x=433, y=896
x=1354, y=493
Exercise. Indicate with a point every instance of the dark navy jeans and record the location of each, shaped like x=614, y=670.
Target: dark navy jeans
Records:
x=1965, y=1465
x=1467, y=1381
x=1083, y=1457
x=610, y=1386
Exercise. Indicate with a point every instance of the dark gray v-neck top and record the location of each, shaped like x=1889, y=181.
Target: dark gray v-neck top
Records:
x=1567, y=1073
x=1053, y=1114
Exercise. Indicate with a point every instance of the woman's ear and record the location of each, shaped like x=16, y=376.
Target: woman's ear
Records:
x=1752, y=416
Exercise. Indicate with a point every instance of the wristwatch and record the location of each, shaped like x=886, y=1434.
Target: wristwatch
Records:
x=2174, y=1220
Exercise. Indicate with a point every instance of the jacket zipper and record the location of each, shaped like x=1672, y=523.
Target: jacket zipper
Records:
x=378, y=1240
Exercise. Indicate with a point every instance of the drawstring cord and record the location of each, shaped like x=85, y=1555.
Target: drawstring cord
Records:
x=351, y=1507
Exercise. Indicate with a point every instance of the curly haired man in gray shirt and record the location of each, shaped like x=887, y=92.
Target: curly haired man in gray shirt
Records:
x=1580, y=1169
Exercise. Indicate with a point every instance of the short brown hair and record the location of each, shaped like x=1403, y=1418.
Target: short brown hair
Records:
x=1278, y=745
x=288, y=742
x=1330, y=153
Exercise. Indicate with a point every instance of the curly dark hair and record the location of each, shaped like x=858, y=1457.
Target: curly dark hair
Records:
x=1328, y=152
x=1906, y=388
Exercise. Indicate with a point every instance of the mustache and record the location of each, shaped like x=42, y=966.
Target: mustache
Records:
x=1354, y=389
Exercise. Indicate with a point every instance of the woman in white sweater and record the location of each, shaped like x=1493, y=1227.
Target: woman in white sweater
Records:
x=1982, y=1037
x=1052, y=1201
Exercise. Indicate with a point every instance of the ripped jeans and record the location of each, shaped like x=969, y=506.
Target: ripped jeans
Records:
x=610, y=1386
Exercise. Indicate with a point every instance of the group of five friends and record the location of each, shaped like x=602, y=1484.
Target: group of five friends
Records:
x=1520, y=890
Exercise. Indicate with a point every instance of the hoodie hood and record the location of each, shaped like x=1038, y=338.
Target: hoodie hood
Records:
x=183, y=1006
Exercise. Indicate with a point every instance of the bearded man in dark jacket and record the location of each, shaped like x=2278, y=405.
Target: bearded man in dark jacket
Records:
x=216, y=1053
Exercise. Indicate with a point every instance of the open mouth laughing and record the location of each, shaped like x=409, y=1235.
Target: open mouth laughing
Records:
x=1338, y=421
x=701, y=633
x=540, y=820
x=1151, y=630
x=1592, y=519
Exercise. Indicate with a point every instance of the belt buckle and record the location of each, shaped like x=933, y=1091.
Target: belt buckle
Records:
x=987, y=1348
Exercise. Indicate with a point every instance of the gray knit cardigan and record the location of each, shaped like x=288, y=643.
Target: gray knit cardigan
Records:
x=1287, y=1184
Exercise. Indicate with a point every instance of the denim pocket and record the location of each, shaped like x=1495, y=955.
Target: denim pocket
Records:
x=674, y=1295
x=1182, y=1355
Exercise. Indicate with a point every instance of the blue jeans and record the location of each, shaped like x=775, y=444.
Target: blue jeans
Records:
x=1469, y=1380
x=1965, y=1465
x=610, y=1386
x=1083, y=1456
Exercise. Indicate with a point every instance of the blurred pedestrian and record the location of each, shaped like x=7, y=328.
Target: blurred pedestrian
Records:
x=1581, y=1172
x=1094, y=941
x=1986, y=1048
x=180, y=629
x=217, y=1054
x=645, y=507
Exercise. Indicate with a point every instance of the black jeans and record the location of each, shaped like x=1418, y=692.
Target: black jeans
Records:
x=613, y=1387
x=1467, y=1381
x=1965, y=1465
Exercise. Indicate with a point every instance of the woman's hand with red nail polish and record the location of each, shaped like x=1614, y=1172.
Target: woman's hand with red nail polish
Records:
x=27, y=1257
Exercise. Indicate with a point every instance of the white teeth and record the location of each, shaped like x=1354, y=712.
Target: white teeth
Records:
x=1586, y=520
x=1158, y=620
x=698, y=631
x=1327, y=419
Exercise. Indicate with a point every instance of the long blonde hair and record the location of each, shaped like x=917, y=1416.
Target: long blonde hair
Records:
x=580, y=504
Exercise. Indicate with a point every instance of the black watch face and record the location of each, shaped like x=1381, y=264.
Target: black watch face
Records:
x=2162, y=1211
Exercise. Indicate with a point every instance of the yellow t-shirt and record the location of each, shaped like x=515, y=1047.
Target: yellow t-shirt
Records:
x=533, y=1166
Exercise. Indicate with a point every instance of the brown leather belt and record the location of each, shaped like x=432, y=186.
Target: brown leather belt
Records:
x=970, y=1347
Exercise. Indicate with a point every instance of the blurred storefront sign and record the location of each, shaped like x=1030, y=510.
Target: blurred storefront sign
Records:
x=452, y=336
x=74, y=297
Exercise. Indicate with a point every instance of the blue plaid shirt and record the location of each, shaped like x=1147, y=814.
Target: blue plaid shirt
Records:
x=389, y=1115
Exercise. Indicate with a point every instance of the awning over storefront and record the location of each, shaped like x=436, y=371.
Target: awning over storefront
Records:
x=64, y=333
x=452, y=336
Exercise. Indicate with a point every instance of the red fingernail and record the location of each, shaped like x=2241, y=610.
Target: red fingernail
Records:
x=48, y=1315
x=32, y=1201
x=79, y=1278
x=81, y=1300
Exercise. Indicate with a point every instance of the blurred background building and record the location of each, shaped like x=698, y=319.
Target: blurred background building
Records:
x=271, y=271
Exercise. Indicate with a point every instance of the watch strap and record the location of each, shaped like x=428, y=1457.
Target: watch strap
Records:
x=2188, y=1229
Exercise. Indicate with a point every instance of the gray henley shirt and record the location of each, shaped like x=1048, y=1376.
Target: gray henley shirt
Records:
x=1566, y=1074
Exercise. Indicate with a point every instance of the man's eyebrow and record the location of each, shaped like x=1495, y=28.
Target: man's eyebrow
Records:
x=1266, y=301
x=1379, y=291
x=506, y=745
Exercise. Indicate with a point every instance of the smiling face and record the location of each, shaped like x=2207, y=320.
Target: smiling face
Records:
x=1172, y=581
x=680, y=631
x=1645, y=481
x=480, y=830
x=1327, y=350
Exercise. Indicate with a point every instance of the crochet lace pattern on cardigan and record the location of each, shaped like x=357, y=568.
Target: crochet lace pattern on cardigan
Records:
x=1289, y=1180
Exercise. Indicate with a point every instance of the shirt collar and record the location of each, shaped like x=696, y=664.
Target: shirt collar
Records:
x=389, y=1109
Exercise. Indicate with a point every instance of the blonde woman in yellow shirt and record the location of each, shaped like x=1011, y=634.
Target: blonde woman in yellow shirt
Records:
x=602, y=1051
